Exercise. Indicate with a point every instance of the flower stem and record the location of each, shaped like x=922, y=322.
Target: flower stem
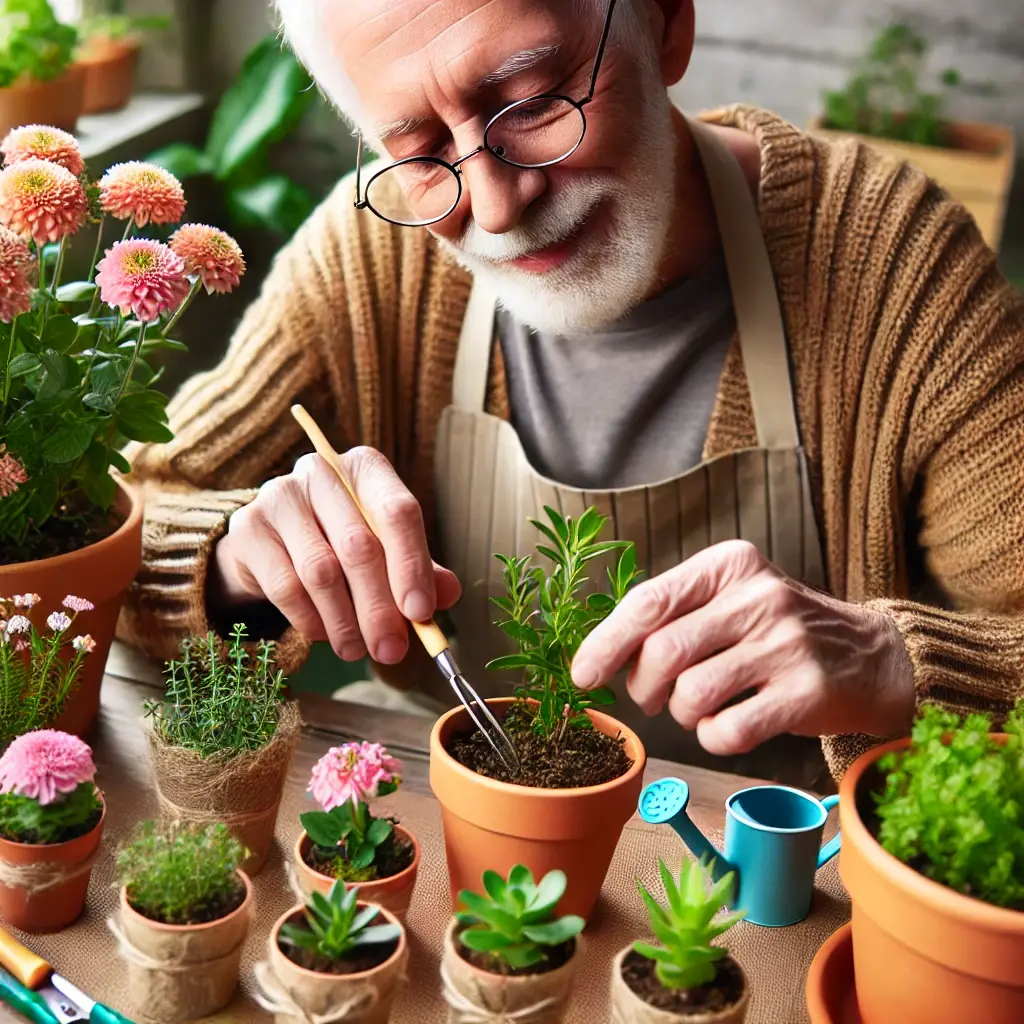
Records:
x=128, y=229
x=96, y=253
x=59, y=268
x=131, y=365
x=181, y=309
x=7, y=369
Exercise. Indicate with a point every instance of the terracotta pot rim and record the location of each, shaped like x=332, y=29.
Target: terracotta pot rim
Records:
x=437, y=748
x=933, y=894
x=180, y=929
x=131, y=522
x=814, y=987
x=377, y=883
x=275, y=931
x=67, y=842
x=449, y=938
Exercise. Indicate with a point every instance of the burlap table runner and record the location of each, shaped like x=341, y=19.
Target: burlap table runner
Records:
x=776, y=960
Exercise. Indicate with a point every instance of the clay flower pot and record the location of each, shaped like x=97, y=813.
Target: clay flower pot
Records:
x=393, y=893
x=57, y=102
x=298, y=995
x=921, y=951
x=494, y=825
x=101, y=573
x=43, y=885
x=474, y=995
x=109, y=66
x=629, y=1008
x=183, y=972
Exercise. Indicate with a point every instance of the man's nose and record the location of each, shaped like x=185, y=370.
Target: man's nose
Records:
x=498, y=192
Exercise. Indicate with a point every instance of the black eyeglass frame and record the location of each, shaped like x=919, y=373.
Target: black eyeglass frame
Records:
x=362, y=203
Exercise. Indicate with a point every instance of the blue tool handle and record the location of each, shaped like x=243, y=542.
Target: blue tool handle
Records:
x=105, y=1015
x=28, y=1003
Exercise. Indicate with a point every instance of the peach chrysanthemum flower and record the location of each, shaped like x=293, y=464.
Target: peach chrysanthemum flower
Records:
x=45, y=143
x=15, y=286
x=41, y=200
x=12, y=475
x=144, y=192
x=211, y=255
x=142, y=277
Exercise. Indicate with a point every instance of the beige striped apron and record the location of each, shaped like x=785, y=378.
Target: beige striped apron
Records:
x=487, y=491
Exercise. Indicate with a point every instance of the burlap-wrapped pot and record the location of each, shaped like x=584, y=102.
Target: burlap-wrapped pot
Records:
x=181, y=973
x=243, y=792
x=474, y=995
x=296, y=995
x=629, y=1008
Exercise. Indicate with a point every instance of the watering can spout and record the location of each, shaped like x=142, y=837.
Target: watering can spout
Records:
x=664, y=803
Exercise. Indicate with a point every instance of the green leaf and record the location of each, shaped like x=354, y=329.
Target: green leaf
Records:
x=363, y=857
x=54, y=366
x=378, y=934
x=60, y=333
x=141, y=426
x=100, y=489
x=76, y=291
x=601, y=697
x=182, y=160
x=24, y=364
x=322, y=828
x=100, y=402
x=554, y=933
x=68, y=441
x=495, y=885
x=484, y=941
x=274, y=203
x=379, y=830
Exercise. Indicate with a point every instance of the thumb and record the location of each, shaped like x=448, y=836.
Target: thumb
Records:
x=449, y=590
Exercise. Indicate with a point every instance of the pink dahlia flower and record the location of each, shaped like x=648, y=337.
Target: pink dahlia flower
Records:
x=44, y=764
x=143, y=192
x=142, y=277
x=353, y=771
x=211, y=255
x=15, y=284
x=41, y=200
x=12, y=474
x=45, y=143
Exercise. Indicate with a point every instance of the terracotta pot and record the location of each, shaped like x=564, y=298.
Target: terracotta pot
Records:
x=183, y=972
x=494, y=825
x=109, y=66
x=394, y=893
x=474, y=995
x=57, y=102
x=921, y=951
x=370, y=992
x=54, y=904
x=102, y=573
x=629, y=1008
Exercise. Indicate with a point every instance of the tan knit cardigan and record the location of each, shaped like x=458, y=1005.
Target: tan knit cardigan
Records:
x=907, y=352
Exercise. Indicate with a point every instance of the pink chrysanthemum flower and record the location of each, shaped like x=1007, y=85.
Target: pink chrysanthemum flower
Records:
x=142, y=191
x=353, y=771
x=84, y=643
x=45, y=143
x=77, y=604
x=12, y=474
x=211, y=255
x=41, y=200
x=45, y=764
x=17, y=624
x=15, y=285
x=143, y=277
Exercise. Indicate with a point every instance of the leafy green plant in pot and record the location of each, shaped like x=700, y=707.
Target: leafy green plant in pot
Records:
x=933, y=859
x=185, y=911
x=686, y=976
x=76, y=378
x=579, y=770
x=344, y=842
x=222, y=739
x=336, y=958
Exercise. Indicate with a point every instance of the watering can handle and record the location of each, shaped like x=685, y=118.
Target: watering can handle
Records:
x=831, y=848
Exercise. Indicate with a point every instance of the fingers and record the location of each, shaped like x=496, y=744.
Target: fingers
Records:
x=449, y=590
x=701, y=691
x=742, y=727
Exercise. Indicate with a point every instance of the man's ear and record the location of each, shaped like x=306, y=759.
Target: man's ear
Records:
x=677, y=34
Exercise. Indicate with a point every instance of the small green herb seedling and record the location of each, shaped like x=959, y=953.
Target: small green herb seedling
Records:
x=686, y=925
x=549, y=618
x=515, y=922
x=336, y=925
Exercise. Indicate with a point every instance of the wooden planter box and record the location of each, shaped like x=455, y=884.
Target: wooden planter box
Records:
x=977, y=172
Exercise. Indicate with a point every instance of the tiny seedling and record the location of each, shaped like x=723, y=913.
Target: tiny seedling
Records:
x=515, y=922
x=336, y=927
x=686, y=927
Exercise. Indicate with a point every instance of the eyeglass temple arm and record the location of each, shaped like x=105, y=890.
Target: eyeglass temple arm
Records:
x=360, y=202
x=600, y=52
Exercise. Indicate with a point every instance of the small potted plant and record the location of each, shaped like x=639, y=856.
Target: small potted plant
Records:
x=507, y=956
x=933, y=860
x=184, y=915
x=337, y=958
x=222, y=739
x=77, y=381
x=687, y=978
x=51, y=822
x=885, y=104
x=39, y=81
x=580, y=771
x=344, y=842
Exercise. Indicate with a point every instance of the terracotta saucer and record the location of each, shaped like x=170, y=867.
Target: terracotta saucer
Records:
x=831, y=996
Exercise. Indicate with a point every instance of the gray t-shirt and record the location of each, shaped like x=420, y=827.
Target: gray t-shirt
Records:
x=629, y=405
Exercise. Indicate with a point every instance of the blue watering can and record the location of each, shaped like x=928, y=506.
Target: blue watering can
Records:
x=772, y=842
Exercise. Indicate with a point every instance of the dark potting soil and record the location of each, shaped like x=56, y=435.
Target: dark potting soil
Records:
x=558, y=956
x=212, y=911
x=584, y=757
x=365, y=960
x=82, y=829
x=723, y=992
x=68, y=530
x=394, y=855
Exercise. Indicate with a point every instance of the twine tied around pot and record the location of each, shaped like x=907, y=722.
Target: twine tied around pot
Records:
x=134, y=955
x=37, y=878
x=272, y=997
x=465, y=1011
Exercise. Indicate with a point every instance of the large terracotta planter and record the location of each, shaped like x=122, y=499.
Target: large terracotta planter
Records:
x=180, y=973
x=491, y=825
x=57, y=102
x=921, y=951
x=56, y=896
x=109, y=66
x=102, y=573
x=394, y=893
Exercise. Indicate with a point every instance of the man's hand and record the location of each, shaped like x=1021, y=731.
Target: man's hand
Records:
x=303, y=546
x=727, y=621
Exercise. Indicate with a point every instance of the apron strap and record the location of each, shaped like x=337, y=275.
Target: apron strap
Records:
x=762, y=336
x=473, y=356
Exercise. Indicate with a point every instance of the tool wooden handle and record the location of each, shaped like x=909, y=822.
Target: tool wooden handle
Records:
x=29, y=969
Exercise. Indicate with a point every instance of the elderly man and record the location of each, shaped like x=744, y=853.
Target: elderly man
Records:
x=787, y=369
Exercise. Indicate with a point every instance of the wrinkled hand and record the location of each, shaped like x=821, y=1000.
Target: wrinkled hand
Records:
x=727, y=621
x=303, y=546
